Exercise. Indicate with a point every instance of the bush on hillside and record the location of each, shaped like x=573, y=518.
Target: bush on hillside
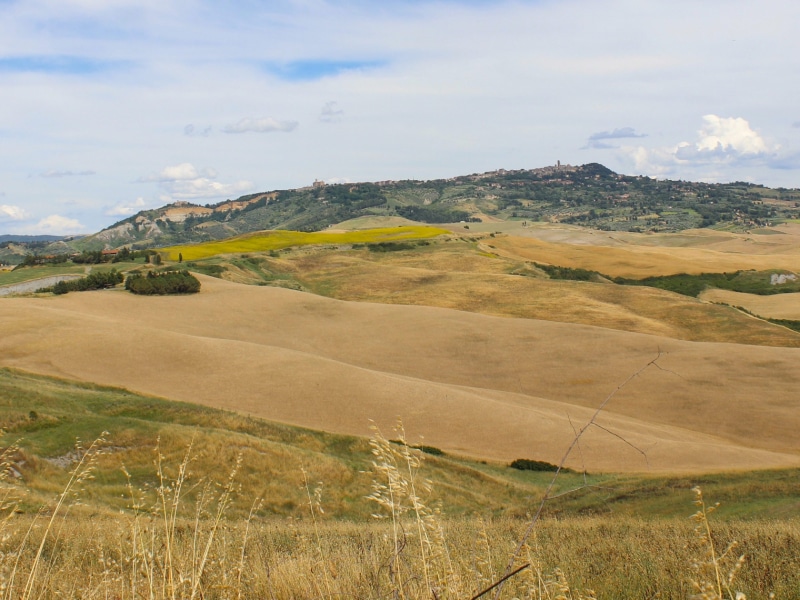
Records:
x=95, y=281
x=389, y=246
x=167, y=282
x=526, y=464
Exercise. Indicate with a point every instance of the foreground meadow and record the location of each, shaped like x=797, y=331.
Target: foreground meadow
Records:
x=135, y=557
x=181, y=501
x=177, y=539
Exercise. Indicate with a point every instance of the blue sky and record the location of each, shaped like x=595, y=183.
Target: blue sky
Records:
x=111, y=106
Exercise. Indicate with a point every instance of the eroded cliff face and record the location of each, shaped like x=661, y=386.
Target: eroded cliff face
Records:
x=164, y=222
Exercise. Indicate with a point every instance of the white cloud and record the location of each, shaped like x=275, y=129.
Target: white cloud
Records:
x=724, y=138
x=264, y=125
x=186, y=182
x=124, y=209
x=58, y=225
x=12, y=213
x=181, y=172
x=721, y=142
x=203, y=187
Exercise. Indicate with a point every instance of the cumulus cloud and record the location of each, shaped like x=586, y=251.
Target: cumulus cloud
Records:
x=124, y=209
x=58, y=174
x=203, y=187
x=191, y=131
x=185, y=182
x=721, y=142
x=12, y=213
x=181, y=172
x=331, y=113
x=724, y=139
x=598, y=140
x=58, y=225
x=263, y=125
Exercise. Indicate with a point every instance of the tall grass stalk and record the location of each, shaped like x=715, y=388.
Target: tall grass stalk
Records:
x=709, y=583
x=79, y=474
x=159, y=550
x=315, y=507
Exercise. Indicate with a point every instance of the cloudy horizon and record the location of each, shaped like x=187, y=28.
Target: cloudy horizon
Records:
x=114, y=106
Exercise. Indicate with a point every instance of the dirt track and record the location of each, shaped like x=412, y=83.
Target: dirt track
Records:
x=26, y=287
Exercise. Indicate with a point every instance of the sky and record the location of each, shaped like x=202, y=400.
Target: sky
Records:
x=108, y=107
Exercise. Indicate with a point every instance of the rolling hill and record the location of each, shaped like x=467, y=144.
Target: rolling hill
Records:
x=589, y=195
x=478, y=385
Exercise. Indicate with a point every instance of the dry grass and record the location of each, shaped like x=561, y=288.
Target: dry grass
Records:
x=500, y=384
x=642, y=255
x=149, y=551
x=779, y=306
x=620, y=559
x=457, y=277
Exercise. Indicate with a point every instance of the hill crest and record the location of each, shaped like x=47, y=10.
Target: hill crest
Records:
x=589, y=195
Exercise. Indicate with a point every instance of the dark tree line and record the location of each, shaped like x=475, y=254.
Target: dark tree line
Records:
x=166, y=282
x=95, y=281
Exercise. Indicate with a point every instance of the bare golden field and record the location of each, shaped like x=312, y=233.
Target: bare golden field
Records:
x=469, y=383
x=475, y=280
x=643, y=255
x=779, y=306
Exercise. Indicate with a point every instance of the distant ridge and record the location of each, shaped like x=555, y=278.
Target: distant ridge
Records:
x=589, y=195
x=26, y=239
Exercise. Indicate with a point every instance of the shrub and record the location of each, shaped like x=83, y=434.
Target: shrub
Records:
x=389, y=246
x=525, y=464
x=167, y=282
x=95, y=281
x=433, y=450
x=555, y=272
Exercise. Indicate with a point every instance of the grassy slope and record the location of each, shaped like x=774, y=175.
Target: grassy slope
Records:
x=47, y=415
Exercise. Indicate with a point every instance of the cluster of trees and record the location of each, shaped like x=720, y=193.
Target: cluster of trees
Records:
x=95, y=281
x=434, y=214
x=389, y=246
x=88, y=257
x=556, y=272
x=32, y=260
x=165, y=282
x=92, y=257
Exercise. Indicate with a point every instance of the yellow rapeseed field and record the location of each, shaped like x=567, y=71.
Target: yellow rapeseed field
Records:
x=264, y=241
